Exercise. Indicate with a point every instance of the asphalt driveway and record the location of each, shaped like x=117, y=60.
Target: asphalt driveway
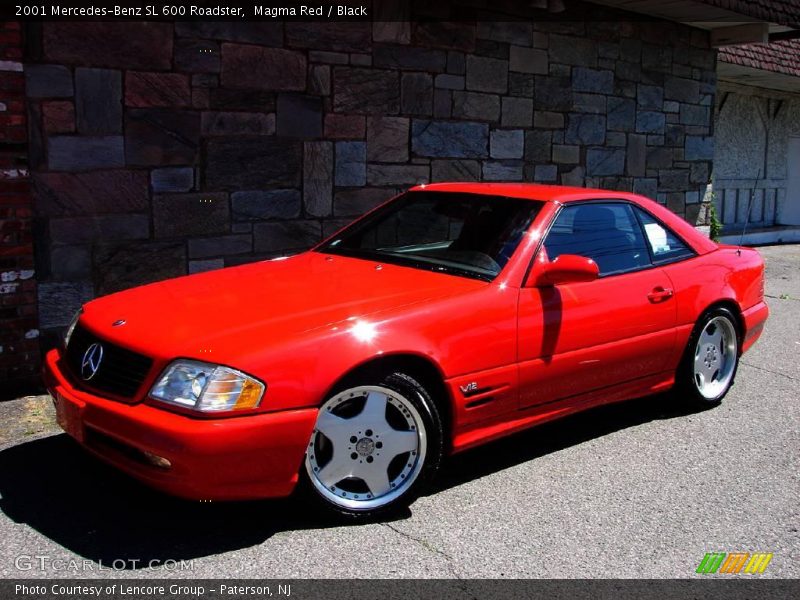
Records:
x=640, y=489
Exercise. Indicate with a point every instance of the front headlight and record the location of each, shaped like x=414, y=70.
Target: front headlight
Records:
x=71, y=328
x=207, y=387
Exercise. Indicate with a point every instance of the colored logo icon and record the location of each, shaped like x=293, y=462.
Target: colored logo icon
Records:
x=734, y=562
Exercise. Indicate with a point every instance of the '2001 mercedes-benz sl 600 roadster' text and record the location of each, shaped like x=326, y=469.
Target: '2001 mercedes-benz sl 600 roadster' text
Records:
x=451, y=315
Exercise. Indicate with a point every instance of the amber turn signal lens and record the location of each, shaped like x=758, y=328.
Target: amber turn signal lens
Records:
x=250, y=395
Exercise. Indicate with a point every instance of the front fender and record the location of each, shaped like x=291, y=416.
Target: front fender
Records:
x=459, y=335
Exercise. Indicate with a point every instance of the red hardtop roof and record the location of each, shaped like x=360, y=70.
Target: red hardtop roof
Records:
x=530, y=191
x=564, y=194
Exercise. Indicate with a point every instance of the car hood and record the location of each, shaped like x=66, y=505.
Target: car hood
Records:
x=261, y=303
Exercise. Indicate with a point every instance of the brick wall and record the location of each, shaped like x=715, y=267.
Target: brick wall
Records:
x=19, y=344
x=160, y=149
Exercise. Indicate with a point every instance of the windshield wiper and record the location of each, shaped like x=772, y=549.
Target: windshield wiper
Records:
x=407, y=260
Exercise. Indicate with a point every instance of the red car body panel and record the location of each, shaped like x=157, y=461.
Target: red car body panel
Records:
x=302, y=323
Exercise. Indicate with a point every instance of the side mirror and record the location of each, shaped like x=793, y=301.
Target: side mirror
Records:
x=567, y=268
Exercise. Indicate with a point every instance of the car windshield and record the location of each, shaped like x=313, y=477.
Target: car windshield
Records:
x=472, y=235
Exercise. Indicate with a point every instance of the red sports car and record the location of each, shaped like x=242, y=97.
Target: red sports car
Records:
x=449, y=316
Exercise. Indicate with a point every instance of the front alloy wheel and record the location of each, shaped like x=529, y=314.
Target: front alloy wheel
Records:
x=370, y=445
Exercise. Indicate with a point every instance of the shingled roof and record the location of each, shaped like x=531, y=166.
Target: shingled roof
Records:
x=778, y=57
x=782, y=12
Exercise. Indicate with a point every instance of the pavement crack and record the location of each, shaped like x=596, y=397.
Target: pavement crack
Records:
x=767, y=370
x=421, y=541
x=430, y=548
x=782, y=297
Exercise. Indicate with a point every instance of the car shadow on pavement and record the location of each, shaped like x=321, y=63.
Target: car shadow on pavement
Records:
x=557, y=435
x=55, y=487
x=52, y=485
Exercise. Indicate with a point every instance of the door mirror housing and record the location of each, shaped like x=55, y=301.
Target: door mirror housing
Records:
x=567, y=268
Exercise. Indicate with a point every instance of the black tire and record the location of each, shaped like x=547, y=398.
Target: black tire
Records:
x=688, y=387
x=406, y=393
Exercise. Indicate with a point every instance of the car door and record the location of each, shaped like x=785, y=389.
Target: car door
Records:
x=579, y=337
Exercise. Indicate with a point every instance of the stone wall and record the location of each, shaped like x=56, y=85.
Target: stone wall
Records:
x=753, y=126
x=19, y=344
x=160, y=149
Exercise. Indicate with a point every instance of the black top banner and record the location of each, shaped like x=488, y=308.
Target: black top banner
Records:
x=323, y=10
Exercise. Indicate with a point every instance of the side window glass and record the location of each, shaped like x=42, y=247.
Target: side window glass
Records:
x=608, y=233
x=665, y=245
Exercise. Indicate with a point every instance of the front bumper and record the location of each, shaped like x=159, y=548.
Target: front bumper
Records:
x=253, y=456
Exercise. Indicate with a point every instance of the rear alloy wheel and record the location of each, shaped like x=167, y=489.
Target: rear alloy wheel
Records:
x=371, y=446
x=712, y=356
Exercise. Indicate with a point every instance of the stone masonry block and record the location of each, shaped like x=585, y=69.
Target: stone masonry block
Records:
x=178, y=215
x=449, y=139
x=505, y=143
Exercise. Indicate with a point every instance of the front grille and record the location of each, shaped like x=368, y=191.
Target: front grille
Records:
x=121, y=372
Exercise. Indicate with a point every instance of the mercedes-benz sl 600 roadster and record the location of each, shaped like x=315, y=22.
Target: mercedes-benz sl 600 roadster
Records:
x=447, y=317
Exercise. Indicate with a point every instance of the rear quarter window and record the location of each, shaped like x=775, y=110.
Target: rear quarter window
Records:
x=665, y=246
